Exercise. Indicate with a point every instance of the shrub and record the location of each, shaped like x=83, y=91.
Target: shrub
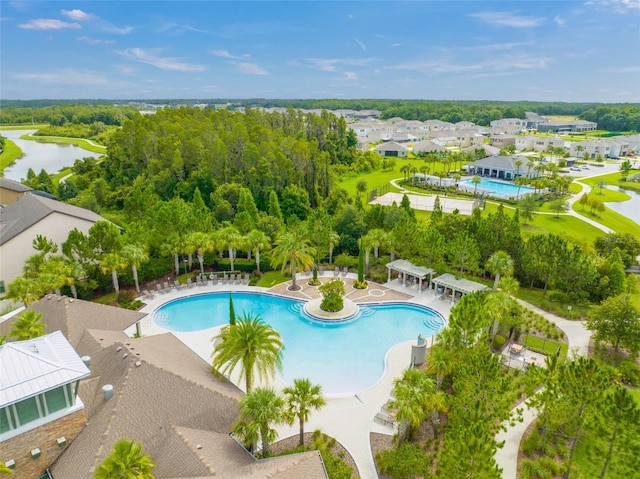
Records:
x=629, y=372
x=360, y=284
x=344, y=259
x=498, y=342
x=405, y=462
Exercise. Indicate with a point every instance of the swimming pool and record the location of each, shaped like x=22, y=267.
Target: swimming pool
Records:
x=497, y=188
x=344, y=358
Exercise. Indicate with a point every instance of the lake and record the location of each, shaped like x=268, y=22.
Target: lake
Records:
x=629, y=208
x=49, y=156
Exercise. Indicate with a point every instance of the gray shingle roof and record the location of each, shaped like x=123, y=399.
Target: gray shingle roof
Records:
x=30, y=209
x=13, y=185
x=505, y=162
x=73, y=317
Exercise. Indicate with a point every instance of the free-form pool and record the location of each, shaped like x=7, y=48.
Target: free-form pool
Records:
x=498, y=188
x=344, y=358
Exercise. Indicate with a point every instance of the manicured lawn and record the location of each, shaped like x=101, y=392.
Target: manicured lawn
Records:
x=614, y=179
x=567, y=227
x=613, y=220
x=23, y=127
x=575, y=188
x=61, y=174
x=10, y=154
x=79, y=142
x=545, y=346
x=271, y=278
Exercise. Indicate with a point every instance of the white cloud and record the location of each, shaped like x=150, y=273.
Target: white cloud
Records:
x=95, y=41
x=226, y=54
x=331, y=64
x=509, y=19
x=110, y=28
x=77, y=15
x=163, y=63
x=505, y=64
x=48, y=24
x=559, y=21
x=351, y=75
x=250, y=68
x=362, y=45
x=619, y=6
x=67, y=76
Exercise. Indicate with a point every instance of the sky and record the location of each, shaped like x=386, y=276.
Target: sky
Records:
x=555, y=50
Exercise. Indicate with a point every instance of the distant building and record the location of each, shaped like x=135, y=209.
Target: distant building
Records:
x=502, y=167
x=575, y=126
x=392, y=148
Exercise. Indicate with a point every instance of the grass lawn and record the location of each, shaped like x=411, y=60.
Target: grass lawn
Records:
x=23, y=127
x=545, y=346
x=271, y=278
x=79, y=142
x=10, y=154
x=61, y=174
x=575, y=187
x=614, y=179
x=535, y=297
x=617, y=222
x=567, y=227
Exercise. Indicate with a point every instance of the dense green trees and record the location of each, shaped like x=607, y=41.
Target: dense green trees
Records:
x=617, y=320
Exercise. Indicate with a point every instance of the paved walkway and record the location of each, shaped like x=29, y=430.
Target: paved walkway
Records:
x=578, y=338
x=349, y=419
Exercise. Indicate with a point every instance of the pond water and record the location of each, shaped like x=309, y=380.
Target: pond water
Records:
x=629, y=208
x=49, y=156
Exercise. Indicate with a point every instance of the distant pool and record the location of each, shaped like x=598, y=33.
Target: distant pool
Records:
x=498, y=188
x=344, y=358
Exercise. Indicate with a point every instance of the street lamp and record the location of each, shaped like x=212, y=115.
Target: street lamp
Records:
x=185, y=266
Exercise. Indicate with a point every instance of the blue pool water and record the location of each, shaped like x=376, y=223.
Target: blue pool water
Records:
x=344, y=358
x=498, y=188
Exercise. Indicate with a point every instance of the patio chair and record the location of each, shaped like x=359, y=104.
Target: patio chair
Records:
x=245, y=278
x=166, y=286
x=147, y=294
x=159, y=288
x=385, y=419
x=336, y=271
x=345, y=270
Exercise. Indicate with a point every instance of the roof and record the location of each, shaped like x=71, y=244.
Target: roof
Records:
x=13, y=185
x=30, y=209
x=504, y=162
x=427, y=146
x=391, y=146
x=408, y=267
x=488, y=149
x=74, y=316
x=459, y=284
x=31, y=367
x=166, y=398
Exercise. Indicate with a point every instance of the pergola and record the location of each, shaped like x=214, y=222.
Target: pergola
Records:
x=457, y=285
x=407, y=268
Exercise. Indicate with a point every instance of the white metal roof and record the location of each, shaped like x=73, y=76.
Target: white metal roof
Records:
x=408, y=267
x=459, y=284
x=36, y=365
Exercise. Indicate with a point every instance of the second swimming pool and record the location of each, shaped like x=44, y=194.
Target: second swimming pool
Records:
x=344, y=358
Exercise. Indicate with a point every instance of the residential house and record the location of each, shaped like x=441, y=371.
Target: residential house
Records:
x=502, y=141
x=513, y=125
x=11, y=191
x=427, y=147
x=488, y=149
x=159, y=393
x=573, y=126
x=40, y=411
x=392, y=148
x=30, y=216
x=593, y=148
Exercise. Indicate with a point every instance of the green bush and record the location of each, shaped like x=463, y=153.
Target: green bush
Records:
x=406, y=462
x=344, y=259
x=498, y=342
x=629, y=372
x=332, y=303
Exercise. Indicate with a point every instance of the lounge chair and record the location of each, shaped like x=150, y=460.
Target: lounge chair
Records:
x=385, y=419
x=336, y=271
x=166, y=286
x=147, y=294
x=245, y=278
x=159, y=288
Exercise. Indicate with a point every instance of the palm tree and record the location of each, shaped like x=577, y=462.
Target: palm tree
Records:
x=201, y=243
x=333, y=238
x=520, y=181
x=28, y=325
x=251, y=344
x=476, y=181
x=301, y=398
x=126, y=461
x=259, y=410
x=405, y=170
x=413, y=170
x=173, y=247
x=135, y=254
x=517, y=164
x=112, y=263
x=292, y=250
x=230, y=238
x=410, y=398
x=26, y=290
x=255, y=241
x=500, y=263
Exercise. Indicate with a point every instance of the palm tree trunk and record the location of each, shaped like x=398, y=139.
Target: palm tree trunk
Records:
x=201, y=261
x=258, y=259
x=366, y=261
x=294, y=285
x=134, y=269
x=116, y=286
x=231, y=257
x=301, y=430
x=496, y=281
x=330, y=255
x=177, y=262
x=74, y=291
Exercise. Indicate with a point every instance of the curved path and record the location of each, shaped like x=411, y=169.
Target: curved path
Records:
x=578, y=338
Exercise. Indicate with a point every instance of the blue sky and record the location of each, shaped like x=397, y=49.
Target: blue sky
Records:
x=457, y=50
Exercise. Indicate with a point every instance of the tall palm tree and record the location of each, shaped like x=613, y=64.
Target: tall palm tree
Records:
x=28, y=325
x=476, y=181
x=201, y=243
x=500, y=263
x=256, y=240
x=135, y=254
x=126, y=461
x=301, y=398
x=26, y=290
x=231, y=239
x=112, y=263
x=250, y=344
x=292, y=250
x=260, y=409
x=332, y=238
x=172, y=246
x=410, y=398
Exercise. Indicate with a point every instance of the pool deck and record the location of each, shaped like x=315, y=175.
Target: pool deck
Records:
x=351, y=418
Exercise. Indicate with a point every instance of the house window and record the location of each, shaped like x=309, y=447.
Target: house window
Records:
x=2, y=287
x=55, y=400
x=27, y=410
x=5, y=425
